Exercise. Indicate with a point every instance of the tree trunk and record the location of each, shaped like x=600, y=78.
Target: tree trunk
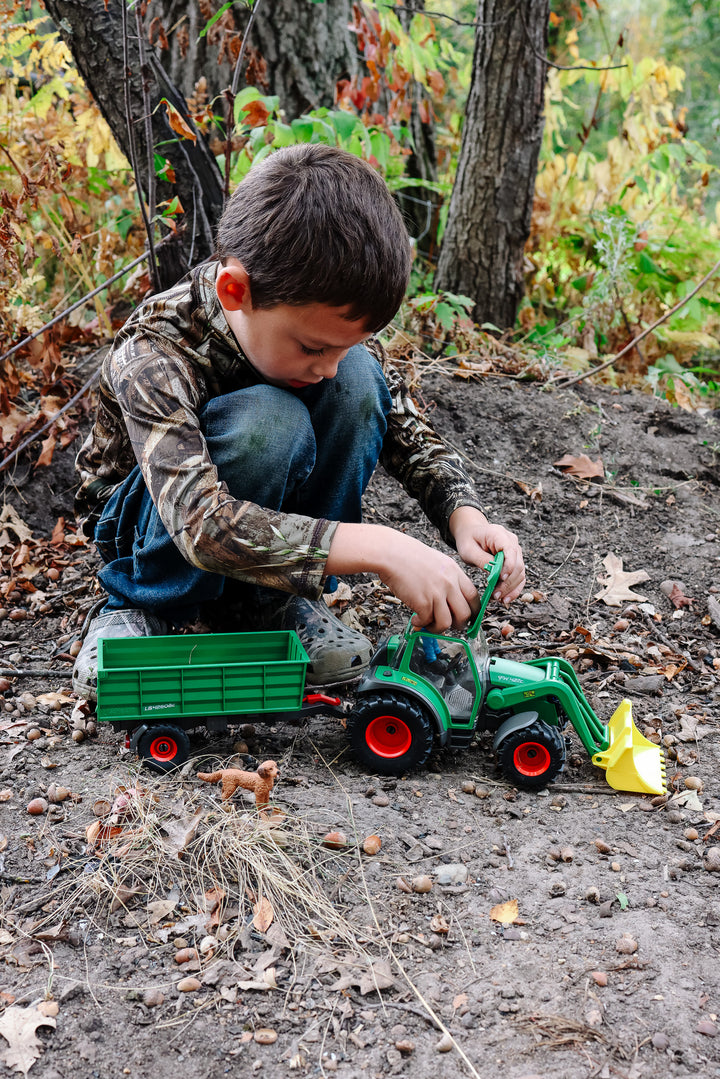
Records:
x=92, y=30
x=305, y=48
x=419, y=205
x=491, y=203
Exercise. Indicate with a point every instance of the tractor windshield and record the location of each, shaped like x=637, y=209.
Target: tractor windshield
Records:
x=455, y=667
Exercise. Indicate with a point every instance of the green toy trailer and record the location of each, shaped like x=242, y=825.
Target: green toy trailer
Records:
x=421, y=688
x=158, y=688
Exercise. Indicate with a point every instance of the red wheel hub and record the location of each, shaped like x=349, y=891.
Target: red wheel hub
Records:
x=163, y=748
x=531, y=758
x=388, y=736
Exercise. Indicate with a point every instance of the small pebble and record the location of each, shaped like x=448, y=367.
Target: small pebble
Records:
x=153, y=998
x=615, y=866
x=599, y=977
x=705, y=1026
x=404, y=1045
x=381, y=800
x=660, y=1041
x=421, y=884
x=602, y=846
x=185, y=955
x=265, y=1036
x=626, y=945
x=711, y=861
x=334, y=840
x=468, y=787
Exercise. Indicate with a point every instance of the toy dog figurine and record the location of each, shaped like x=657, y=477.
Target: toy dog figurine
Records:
x=260, y=782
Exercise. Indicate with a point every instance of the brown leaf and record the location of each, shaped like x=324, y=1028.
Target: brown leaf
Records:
x=256, y=114
x=533, y=493
x=177, y=122
x=505, y=912
x=677, y=598
x=617, y=586
x=180, y=832
x=581, y=466
x=263, y=914
x=18, y=1026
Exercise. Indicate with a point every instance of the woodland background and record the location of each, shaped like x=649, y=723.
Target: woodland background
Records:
x=558, y=208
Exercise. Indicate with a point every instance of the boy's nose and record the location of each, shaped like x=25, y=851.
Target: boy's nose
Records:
x=326, y=366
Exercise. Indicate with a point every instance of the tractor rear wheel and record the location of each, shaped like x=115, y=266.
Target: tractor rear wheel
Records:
x=532, y=757
x=161, y=747
x=390, y=734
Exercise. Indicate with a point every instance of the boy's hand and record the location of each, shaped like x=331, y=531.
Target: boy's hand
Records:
x=477, y=541
x=427, y=581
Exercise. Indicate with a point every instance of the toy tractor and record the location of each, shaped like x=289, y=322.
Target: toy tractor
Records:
x=423, y=687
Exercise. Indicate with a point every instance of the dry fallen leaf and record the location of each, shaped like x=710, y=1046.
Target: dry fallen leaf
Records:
x=263, y=914
x=18, y=1026
x=617, y=586
x=533, y=493
x=180, y=832
x=505, y=912
x=581, y=466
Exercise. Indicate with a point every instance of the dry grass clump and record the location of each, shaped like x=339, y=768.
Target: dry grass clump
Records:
x=166, y=859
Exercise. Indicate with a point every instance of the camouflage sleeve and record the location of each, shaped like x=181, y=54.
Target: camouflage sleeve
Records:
x=417, y=456
x=160, y=405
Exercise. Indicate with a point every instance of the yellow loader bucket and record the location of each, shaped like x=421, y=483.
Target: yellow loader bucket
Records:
x=631, y=762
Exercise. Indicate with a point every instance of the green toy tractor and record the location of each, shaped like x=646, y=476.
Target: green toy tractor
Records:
x=425, y=687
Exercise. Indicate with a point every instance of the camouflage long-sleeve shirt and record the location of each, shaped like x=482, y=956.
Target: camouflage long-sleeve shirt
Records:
x=174, y=354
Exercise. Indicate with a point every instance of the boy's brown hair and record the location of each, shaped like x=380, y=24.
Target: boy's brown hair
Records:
x=314, y=224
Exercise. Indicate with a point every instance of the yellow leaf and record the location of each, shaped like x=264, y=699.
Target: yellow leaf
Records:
x=505, y=912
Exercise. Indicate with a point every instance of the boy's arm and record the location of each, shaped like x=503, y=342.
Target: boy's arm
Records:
x=428, y=581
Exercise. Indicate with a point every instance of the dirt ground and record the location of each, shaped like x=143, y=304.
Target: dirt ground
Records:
x=314, y=961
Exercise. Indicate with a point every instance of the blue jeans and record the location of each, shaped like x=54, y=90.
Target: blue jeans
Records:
x=309, y=451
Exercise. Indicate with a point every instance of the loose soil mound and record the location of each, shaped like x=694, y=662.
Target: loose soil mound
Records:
x=572, y=932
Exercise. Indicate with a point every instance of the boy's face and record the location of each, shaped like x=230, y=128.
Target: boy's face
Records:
x=290, y=346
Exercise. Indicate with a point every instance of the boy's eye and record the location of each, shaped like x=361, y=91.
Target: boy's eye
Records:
x=311, y=351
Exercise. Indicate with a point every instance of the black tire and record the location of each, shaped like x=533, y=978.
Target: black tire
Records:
x=161, y=747
x=390, y=734
x=531, y=758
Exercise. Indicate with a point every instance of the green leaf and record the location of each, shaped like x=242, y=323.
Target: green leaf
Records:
x=283, y=134
x=344, y=122
x=622, y=900
x=646, y=264
x=380, y=145
x=302, y=127
x=445, y=315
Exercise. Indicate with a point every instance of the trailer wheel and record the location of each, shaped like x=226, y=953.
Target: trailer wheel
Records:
x=533, y=756
x=390, y=734
x=161, y=747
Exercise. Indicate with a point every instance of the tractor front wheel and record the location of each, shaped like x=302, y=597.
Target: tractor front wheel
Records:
x=161, y=747
x=532, y=757
x=390, y=734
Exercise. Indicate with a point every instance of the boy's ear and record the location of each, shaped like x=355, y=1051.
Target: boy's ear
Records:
x=232, y=285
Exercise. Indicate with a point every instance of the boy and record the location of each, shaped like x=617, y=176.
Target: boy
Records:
x=240, y=417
